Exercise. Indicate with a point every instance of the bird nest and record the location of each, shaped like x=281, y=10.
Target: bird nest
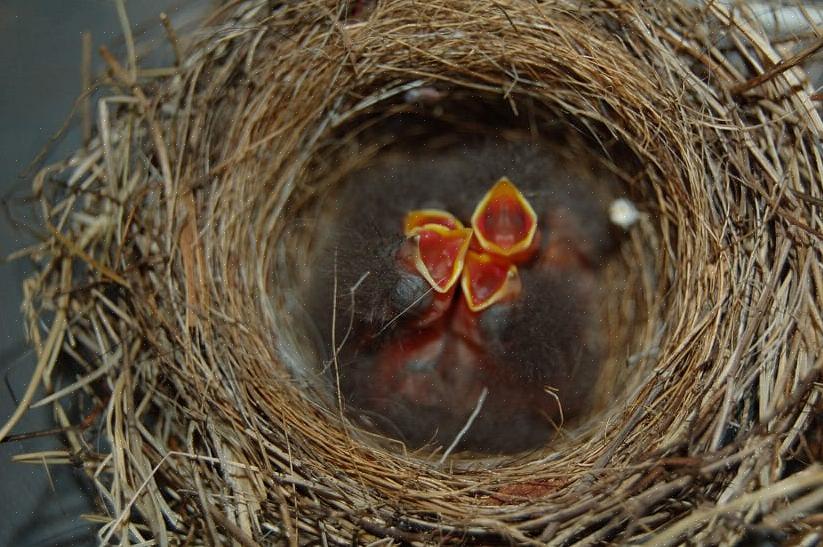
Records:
x=175, y=256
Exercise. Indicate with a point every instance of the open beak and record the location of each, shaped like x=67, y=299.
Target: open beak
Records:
x=437, y=253
x=505, y=223
x=488, y=279
x=419, y=218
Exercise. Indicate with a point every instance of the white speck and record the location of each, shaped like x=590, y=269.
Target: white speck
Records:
x=424, y=95
x=623, y=213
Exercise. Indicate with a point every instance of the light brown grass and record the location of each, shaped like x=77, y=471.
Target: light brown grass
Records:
x=173, y=262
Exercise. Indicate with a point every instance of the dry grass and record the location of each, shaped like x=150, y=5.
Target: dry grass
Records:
x=172, y=265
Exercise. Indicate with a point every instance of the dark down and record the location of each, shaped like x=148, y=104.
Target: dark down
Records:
x=503, y=350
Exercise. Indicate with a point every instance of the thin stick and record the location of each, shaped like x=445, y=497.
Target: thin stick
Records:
x=48, y=474
x=334, y=339
x=172, y=37
x=128, y=37
x=779, y=68
x=97, y=373
x=552, y=391
x=352, y=292
x=230, y=527
x=469, y=422
x=402, y=312
x=46, y=359
x=33, y=435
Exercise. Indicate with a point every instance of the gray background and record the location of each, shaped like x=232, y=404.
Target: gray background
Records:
x=40, y=58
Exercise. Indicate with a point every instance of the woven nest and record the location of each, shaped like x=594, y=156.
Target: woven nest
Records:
x=176, y=256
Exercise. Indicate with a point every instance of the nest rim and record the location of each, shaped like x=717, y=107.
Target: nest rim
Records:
x=270, y=445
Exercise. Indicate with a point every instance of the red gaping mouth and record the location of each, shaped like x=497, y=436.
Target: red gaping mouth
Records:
x=503, y=233
x=488, y=279
x=438, y=254
x=504, y=222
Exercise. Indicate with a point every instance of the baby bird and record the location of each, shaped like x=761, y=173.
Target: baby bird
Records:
x=419, y=349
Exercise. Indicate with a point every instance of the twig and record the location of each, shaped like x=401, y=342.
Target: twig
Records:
x=402, y=312
x=335, y=359
x=129, y=38
x=469, y=422
x=172, y=37
x=230, y=527
x=779, y=68
x=811, y=477
x=85, y=380
x=352, y=296
x=49, y=354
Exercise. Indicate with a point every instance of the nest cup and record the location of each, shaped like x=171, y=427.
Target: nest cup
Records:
x=179, y=244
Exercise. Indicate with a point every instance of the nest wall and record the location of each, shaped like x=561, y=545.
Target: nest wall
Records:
x=179, y=239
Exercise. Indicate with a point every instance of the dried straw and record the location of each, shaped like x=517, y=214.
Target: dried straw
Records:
x=173, y=258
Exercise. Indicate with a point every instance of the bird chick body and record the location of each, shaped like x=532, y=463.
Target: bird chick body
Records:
x=536, y=356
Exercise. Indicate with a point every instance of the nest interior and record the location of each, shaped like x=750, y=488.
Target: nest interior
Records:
x=179, y=242
x=419, y=384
